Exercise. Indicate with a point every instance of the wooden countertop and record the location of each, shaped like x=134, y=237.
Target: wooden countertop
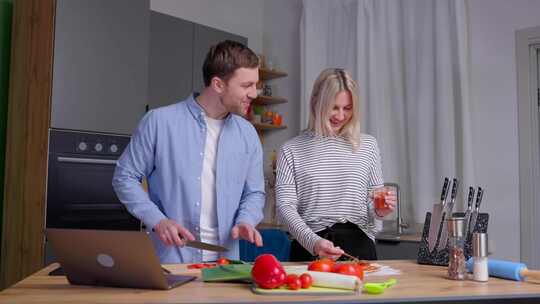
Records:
x=416, y=283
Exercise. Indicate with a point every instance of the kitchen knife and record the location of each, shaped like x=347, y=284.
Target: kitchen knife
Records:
x=205, y=246
x=436, y=214
x=202, y=245
x=474, y=214
x=447, y=213
x=469, y=210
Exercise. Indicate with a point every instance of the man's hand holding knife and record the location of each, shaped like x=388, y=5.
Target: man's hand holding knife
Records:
x=173, y=234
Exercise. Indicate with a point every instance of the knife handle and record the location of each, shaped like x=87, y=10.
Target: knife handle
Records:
x=471, y=198
x=479, y=195
x=454, y=189
x=444, y=192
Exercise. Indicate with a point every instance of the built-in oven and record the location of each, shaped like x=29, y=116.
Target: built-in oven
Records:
x=79, y=182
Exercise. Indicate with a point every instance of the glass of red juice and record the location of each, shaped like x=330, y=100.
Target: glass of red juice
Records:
x=378, y=196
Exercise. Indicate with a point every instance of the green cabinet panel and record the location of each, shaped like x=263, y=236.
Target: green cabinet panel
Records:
x=6, y=8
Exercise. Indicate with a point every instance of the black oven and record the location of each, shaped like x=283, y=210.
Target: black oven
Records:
x=79, y=187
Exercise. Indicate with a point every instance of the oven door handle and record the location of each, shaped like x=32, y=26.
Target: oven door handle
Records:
x=81, y=160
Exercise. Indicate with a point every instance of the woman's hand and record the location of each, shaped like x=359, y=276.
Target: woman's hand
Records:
x=325, y=249
x=390, y=201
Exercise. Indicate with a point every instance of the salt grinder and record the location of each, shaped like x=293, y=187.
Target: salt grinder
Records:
x=480, y=259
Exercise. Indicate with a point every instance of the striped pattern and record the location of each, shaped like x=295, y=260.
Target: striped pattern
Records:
x=322, y=181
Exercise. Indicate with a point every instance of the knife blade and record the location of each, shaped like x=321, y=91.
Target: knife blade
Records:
x=201, y=245
x=470, y=200
x=474, y=215
x=447, y=213
x=436, y=214
x=205, y=246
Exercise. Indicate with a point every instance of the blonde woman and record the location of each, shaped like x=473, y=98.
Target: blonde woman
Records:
x=325, y=173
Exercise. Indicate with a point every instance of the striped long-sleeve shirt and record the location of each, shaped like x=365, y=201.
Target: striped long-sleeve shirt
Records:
x=322, y=181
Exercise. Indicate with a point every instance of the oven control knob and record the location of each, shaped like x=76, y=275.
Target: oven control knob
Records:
x=82, y=146
x=113, y=148
x=98, y=147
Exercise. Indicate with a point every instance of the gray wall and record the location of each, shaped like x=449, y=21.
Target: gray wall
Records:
x=279, y=41
x=281, y=44
x=494, y=113
x=242, y=17
x=494, y=101
x=177, y=51
x=204, y=37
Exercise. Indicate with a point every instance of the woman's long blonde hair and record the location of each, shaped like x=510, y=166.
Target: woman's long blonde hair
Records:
x=325, y=89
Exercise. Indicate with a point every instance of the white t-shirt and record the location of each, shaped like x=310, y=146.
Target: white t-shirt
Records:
x=209, y=229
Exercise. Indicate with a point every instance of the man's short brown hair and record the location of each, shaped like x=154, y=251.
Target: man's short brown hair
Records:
x=225, y=57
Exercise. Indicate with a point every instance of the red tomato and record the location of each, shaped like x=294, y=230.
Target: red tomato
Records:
x=267, y=272
x=195, y=266
x=293, y=282
x=347, y=268
x=324, y=265
x=201, y=265
x=360, y=271
x=222, y=261
x=306, y=280
x=291, y=278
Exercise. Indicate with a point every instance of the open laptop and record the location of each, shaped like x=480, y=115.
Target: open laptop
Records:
x=111, y=258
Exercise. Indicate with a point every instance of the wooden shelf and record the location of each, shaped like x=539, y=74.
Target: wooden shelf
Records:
x=265, y=74
x=268, y=100
x=263, y=100
x=266, y=126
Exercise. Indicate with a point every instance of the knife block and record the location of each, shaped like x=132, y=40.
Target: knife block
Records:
x=440, y=257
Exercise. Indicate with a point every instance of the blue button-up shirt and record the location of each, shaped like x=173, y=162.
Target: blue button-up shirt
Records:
x=168, y=149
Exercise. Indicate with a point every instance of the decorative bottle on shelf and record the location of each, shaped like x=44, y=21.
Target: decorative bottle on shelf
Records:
x=457, y=269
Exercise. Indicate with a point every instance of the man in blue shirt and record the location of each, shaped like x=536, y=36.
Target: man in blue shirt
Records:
x=202, y=162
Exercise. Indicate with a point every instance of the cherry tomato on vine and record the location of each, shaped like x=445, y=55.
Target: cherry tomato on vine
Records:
x=293, y=282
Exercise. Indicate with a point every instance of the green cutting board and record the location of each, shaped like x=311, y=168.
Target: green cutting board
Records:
x=313, y=290
x=242, y=272
x=227, y=273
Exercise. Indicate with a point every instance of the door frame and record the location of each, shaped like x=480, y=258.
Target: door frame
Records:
x=527, y=46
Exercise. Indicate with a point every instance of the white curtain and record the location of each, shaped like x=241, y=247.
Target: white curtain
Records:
x=411, y=61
